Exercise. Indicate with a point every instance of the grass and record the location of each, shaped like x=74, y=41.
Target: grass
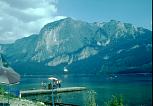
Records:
x=4, y=94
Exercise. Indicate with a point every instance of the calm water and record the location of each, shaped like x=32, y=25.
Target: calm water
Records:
x=136, y=89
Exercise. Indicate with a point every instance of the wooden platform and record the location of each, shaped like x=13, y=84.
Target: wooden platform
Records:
x=46, y=91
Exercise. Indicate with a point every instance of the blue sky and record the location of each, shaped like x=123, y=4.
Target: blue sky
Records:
x=21, y=18
x=137, y=12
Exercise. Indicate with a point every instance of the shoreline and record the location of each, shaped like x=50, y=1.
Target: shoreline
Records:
x=13, y=101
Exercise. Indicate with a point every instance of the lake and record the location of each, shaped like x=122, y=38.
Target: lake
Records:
x=135, y=89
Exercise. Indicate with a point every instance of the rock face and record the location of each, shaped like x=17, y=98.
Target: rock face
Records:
x=110, y=47
x=3, y=62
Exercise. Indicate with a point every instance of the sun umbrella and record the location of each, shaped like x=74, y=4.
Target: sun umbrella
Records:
x=52, y=78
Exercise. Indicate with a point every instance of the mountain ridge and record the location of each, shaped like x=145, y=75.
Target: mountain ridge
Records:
x=69, y=41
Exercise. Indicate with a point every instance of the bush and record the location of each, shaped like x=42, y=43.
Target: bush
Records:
x=2, y=91
x=90, y=98
x=115, y=101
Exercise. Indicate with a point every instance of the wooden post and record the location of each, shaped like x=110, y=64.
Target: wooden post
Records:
x=52, y=94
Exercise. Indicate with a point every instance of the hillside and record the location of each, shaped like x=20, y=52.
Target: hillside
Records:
x=82, y=47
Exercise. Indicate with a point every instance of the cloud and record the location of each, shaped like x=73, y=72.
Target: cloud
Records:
x=20, y=18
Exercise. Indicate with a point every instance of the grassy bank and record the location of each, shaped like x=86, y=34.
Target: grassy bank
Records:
x=15, y=101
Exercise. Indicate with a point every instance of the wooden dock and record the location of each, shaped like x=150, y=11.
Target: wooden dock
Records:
x=46, y=91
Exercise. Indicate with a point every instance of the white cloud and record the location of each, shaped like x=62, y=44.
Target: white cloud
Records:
x=20, y=18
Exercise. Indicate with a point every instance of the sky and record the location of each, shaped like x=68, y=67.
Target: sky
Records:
x=21, y=18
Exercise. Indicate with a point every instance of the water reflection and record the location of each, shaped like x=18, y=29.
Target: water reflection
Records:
x=80, y=98
x=65, y=76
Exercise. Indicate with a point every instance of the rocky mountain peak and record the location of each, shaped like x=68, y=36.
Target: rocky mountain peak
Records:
x=69, y=41
x=116, y=29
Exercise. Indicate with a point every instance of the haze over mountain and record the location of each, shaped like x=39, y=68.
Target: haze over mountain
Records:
x=81, y=47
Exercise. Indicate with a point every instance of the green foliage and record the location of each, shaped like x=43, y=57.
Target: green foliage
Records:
x=115, y=101
x=2, y=91
x=91, y=98
x=6, y=95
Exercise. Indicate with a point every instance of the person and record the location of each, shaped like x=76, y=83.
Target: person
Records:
x=49, y=86
x=43, y=84
x=55, y=84
x=59, y=84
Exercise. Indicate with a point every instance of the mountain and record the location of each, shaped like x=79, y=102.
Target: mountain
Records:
x=3, y=62
x=81, y=47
